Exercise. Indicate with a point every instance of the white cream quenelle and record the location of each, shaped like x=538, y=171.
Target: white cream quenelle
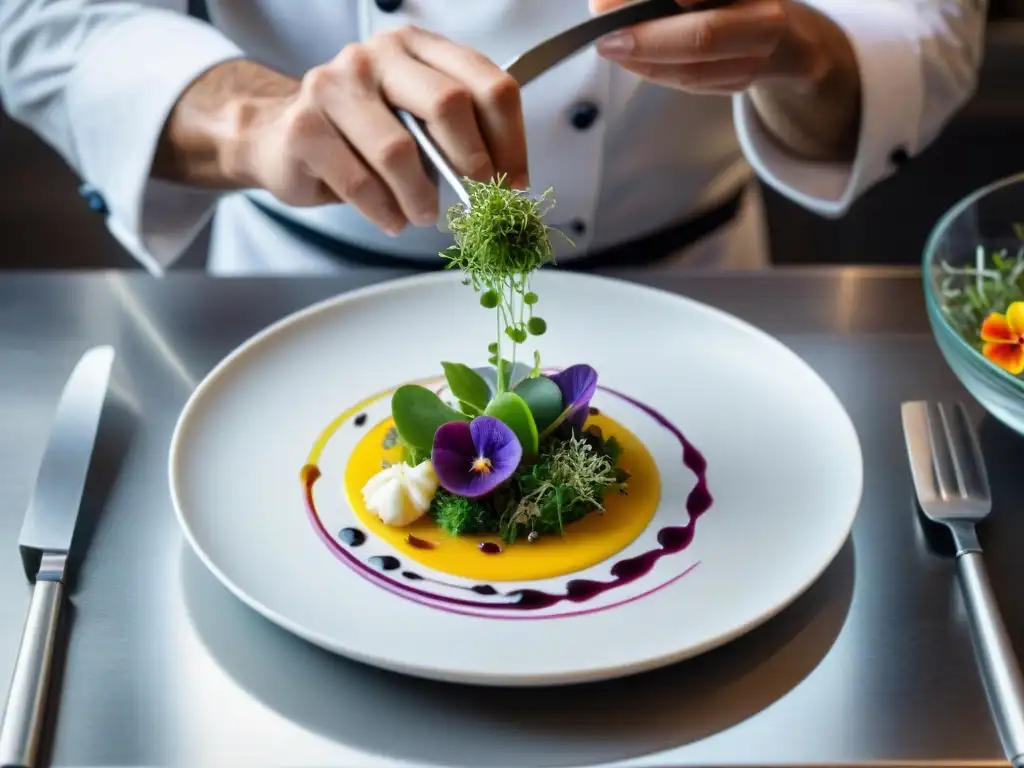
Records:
x=400, y=494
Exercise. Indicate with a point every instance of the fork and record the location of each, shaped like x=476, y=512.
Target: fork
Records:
x=952, y=489
x=536, y=61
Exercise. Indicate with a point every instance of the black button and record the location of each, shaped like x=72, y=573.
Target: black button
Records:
x=578, y=226
x=584, y=115
x=899, y=157
x=93, y=199
x=389, y=6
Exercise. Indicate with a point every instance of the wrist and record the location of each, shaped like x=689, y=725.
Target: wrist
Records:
x=242, y=136
x=213, y=135
x=809, y=97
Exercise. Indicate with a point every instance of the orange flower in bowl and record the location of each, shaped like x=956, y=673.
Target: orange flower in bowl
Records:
x=1004, y=338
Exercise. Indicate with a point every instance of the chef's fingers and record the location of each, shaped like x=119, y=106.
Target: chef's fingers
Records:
x=495, y=93
x=348, y=91
x=738, y=31
x=718, y=77
x=445, y=104
x=319, y=167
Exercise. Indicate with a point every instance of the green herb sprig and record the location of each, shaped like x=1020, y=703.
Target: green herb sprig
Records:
x=500, y=241
x=970, y=293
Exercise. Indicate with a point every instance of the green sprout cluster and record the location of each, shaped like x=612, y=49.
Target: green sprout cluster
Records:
x=970, y=292
x=500, y=241
x=571, y=479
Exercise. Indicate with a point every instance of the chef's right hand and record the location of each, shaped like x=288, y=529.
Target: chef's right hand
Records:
x=336, y=139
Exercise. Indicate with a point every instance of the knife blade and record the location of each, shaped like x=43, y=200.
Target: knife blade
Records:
x=533, y=63
x=45, y=540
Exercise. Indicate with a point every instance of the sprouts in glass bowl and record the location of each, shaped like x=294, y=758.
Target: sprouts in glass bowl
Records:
x=974, y=289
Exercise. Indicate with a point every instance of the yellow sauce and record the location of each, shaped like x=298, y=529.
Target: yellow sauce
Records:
x=586, y=542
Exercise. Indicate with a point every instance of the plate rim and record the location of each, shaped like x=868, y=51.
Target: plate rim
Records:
x=583, y=674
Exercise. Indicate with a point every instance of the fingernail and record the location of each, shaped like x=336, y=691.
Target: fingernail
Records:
x=394, y=227
x=616, y=44
x=425, y=218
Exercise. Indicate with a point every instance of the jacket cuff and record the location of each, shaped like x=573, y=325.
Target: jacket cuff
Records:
x=883, y=38
x=118, y=100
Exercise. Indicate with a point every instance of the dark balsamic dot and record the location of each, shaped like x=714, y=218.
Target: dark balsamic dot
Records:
x=489, y=548
x=594, y=411
x=352, y=536
x=360, y=420
x=385, y=562
x=578, y=226
x=412, y=576
x=389, y=6
x=484, y=589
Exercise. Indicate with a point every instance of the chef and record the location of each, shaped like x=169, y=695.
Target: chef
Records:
x=274, y=118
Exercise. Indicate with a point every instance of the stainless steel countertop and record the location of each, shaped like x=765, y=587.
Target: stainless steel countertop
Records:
x=165, y=667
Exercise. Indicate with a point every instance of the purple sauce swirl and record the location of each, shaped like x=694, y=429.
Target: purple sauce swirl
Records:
x=671, y=540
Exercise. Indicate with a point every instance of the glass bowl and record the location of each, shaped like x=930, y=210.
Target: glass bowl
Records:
x=984, y=231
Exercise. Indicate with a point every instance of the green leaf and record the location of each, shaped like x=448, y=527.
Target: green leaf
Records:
x=469, y=410
x=515, y=413
x=413, y=456
x=467, y=385
x=543, y=398
x=418, y=413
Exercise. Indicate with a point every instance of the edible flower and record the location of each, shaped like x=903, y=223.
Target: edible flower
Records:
x=401, y=494
x=473, y=459
x=578, y=384
x=1004, y=338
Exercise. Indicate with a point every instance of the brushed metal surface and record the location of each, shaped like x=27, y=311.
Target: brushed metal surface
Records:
x=873, y=665
x=948, y=468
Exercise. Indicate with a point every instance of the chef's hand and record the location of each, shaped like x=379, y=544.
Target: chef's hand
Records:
x=332, y=137
x=798, y=66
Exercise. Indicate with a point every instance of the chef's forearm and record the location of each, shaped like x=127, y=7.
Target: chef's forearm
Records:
x=203, y=141
x=815, y=115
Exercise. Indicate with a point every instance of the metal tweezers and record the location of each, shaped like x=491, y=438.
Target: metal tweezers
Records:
x=542, y=57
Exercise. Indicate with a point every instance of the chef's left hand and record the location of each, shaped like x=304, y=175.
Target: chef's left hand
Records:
x=724, y=50
x=797, y=66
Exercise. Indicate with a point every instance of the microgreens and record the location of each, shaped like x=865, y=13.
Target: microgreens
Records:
x=500, y=241
x=571, y=480
x=511, y=450
x=970, y=293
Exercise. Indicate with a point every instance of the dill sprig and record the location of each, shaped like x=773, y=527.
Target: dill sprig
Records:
x=970, y=293
x=566, y=484
x=500, y=241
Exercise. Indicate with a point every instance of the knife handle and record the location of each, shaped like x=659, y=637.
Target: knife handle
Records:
x=22, y=728
x=999, y=668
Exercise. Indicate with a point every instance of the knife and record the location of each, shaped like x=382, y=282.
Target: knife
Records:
x=45, y=540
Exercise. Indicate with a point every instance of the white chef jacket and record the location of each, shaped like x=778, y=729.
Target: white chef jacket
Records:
x=97, y=80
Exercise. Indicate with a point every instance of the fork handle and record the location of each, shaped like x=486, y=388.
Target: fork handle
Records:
x=999, y=668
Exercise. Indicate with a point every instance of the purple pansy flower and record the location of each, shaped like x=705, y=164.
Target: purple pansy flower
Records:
x=473, y=459
x=578, y=384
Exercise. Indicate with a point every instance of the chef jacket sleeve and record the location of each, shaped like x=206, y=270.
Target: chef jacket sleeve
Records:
x=918, y=61
x=97, y=81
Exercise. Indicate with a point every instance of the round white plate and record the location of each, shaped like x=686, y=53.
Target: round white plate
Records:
x=783, y=465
